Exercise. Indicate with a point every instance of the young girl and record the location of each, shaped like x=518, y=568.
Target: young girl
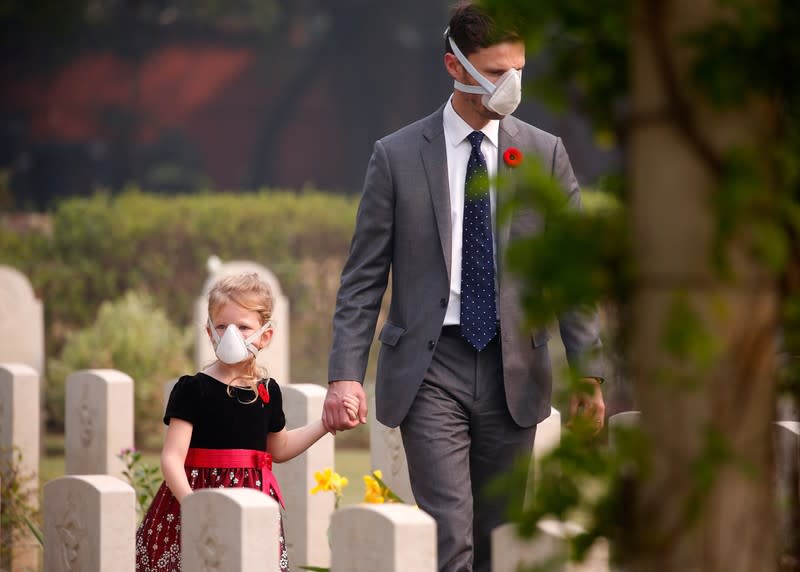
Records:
x=225, y=424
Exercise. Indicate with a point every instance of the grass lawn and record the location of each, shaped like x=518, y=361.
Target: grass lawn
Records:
x=352, y=463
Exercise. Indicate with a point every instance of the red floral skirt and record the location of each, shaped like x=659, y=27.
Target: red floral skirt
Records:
x=158, y=538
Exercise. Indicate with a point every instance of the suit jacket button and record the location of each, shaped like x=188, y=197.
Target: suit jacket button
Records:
x=431, y=344
x=443, y=302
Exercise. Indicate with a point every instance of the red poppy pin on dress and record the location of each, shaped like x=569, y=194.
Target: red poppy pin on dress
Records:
x=512, y=157
x=262, y=392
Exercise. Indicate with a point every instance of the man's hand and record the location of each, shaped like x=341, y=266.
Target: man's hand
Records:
x=588, y=404
x=334, y=412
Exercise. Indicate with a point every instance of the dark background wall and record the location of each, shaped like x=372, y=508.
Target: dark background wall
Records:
x=221, y=95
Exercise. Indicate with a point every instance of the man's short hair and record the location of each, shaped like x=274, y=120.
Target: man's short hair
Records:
x=472, y=29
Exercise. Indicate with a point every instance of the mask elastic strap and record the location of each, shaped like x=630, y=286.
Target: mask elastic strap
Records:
x=257, y=334
x=486, y=86
x=214, y=334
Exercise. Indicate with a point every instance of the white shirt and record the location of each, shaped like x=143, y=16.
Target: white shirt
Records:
x=458, y=150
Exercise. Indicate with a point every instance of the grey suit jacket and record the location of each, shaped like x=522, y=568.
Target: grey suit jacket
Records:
x=403, y=226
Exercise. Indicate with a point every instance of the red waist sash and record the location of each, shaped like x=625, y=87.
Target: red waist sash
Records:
x=236, y=459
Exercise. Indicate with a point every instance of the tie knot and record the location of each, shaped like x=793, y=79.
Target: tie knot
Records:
x=476, y=138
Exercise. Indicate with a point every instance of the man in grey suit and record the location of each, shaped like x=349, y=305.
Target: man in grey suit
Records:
x=457, y=370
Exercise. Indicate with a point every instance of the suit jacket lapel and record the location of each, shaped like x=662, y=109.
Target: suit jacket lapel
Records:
x=434, y=159
x=506, y=138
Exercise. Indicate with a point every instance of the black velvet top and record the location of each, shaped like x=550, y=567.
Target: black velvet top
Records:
x=223, y=422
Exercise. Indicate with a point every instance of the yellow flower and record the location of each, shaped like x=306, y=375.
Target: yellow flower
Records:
x=338, y=482
x=373, y=492
x=327, y=480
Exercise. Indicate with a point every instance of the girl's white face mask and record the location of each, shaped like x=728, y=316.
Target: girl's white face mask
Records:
x=502, y=97
x=232, y=347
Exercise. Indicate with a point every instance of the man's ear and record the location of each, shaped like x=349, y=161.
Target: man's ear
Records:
x=453, y=66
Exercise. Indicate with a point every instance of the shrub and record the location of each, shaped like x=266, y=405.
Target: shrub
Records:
x=131, y=335
x=19, y=514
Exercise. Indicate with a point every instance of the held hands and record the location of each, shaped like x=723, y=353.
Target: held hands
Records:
x=587, y=404
x=351, y=406
x=345, y=406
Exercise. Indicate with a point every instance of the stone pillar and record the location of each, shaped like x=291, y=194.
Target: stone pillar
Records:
x=625, y=421
x=98, y=421
x=307, y=516
x=387, y=454
x=19, y=455
x=548, y=549
x=787, y=474
x=548, y=434
x=382, y=538
x=230, y=530
x=276, y=356
x=167, y=387
x=89, y=524
x=21, y=321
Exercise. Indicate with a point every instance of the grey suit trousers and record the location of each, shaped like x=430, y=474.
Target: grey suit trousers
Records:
x=459, y=436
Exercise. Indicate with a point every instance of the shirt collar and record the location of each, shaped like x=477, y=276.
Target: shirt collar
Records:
x=457, y=129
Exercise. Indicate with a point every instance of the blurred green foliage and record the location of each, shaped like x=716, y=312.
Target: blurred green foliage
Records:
x=582, y=56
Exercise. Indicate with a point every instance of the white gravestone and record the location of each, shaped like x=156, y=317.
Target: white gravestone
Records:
x=19, y=445
x=89, y=524
x=167, y=387
x=19, y=417
x=230, y=530
x=382, y=538
x=98, y=421
x=21, y=321
x=275, y=357
x=388, y=455
x=549, y=549
x=625, y=421
x=787, y=476
x=307, y=515
x=548, y=434
x=548, y=437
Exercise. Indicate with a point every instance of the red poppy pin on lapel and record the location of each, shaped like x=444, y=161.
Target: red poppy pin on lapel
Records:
x=263, y=393
x=512, y=157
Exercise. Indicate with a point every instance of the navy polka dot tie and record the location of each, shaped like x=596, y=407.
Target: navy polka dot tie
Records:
x=478, y=312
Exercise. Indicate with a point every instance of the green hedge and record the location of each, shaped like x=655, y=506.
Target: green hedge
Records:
x=99, y=248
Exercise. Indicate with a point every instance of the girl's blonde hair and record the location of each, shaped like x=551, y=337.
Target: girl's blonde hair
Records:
x=250, y=292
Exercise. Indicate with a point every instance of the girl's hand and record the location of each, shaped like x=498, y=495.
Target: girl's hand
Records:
x=350, y=404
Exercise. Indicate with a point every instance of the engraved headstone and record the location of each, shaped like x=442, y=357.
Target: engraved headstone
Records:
x=230, y=530
x=89, y=524
x=98, y=421
x=307, y=515
x=19, y=455
x=382, y=538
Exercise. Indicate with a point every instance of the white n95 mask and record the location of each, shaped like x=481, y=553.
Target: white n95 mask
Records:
x=232, y=347
x=502, y=97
